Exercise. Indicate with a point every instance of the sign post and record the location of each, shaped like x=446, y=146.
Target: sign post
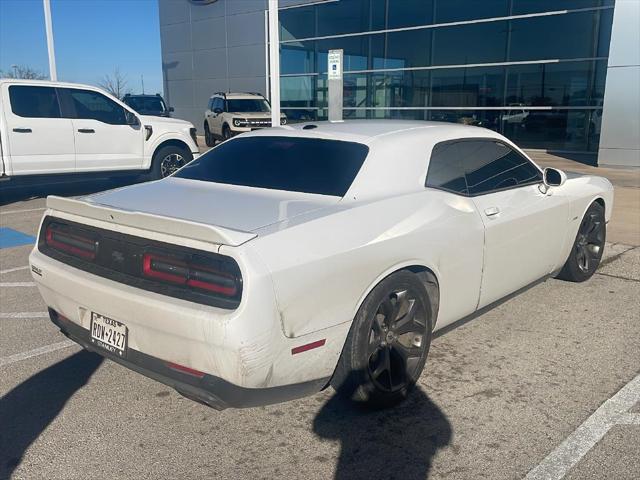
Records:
x=335, y=85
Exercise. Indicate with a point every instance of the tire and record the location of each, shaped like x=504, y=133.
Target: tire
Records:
x=588, y=246
x=387, y=346
x=208, y=138
x=226, y=133
x=167, y=160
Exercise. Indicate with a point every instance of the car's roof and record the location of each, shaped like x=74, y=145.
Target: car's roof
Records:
x=399, y=150
x=234, y=95
x=365, y=131
x=47, y=83
x=129, y=95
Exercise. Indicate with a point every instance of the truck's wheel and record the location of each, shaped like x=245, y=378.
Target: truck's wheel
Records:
x=168, y=160
x=388, y=343
x=208, y=138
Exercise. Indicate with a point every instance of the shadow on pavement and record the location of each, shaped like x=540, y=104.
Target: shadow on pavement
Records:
x=11, y=192
x=396, y=443
x=27, y=410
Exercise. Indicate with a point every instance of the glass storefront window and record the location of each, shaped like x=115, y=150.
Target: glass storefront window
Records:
x=467, y=87
x=473, y=43
x=335, y=18
x=568, y=35
x=556, y=84
x=409, y=13
x=411, y=48
x=535, y=6
x=459, y=10
x=297, y=23
x=297, y=57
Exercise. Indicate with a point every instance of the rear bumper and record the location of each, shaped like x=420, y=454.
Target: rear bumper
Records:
x=208, y=389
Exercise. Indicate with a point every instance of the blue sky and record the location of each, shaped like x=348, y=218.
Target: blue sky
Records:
x=92, y=38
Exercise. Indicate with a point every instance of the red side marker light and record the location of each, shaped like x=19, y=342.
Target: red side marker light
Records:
x=308, y=346
x=183, y=369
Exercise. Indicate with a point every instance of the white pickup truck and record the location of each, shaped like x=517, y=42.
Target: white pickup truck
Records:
x=50, y=128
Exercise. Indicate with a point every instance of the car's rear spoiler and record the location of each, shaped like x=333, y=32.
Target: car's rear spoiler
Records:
x=147, y=221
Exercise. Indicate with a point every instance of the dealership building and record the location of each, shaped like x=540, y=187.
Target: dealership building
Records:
x=556, y=75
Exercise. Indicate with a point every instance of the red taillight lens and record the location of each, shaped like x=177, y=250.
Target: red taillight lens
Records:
x=72, y=243
x=185, y=273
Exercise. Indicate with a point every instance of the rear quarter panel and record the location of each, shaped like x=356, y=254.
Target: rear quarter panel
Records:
x=323, y=268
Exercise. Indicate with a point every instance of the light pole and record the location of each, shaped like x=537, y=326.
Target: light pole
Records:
x=53, y=74
x=274, y=62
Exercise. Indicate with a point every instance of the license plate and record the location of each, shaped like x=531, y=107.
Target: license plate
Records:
x=109, y=334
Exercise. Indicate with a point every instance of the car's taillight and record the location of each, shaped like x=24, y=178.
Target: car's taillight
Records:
x=74, y=243
x=189, y=273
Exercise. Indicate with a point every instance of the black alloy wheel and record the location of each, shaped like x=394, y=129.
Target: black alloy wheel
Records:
x=396, y=342
x=388, y=342
x=588, y=246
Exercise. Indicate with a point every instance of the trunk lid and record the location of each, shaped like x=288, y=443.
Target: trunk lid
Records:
x=230, y=207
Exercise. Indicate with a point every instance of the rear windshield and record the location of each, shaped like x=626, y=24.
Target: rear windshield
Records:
x=296, y=164
x=145, y=104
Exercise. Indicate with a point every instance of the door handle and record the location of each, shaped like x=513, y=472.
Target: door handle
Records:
x=491, y=211
x=22, y=130
x=86, y=130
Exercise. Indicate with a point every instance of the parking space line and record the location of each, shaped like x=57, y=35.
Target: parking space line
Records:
x=631, y=419
x=15, y=269
x=22, y=211
x=18, y=357
x=612, y=412
x=17, y=284
x=24, y=315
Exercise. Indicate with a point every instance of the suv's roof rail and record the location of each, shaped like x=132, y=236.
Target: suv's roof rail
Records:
x=220, y=93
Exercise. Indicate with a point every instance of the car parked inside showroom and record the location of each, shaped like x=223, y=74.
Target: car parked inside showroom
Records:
x=229, y=114
x=312, y=255
x=57, y=128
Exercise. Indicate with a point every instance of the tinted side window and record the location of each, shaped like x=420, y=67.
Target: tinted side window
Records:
x=445, y=169
x=95, y=106
x=491, y=166
x=218, y=103
x=34, y=102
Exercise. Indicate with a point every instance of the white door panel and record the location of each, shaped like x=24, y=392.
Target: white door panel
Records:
x=524, y=231
x=38, y=140
x=41, y=145
x=101, y=146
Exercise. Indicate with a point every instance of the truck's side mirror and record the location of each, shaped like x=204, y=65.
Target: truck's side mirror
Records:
x=171, y=109
x=217, y=110
x=131, y=118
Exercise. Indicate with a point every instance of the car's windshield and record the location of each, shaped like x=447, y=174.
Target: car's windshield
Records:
x=298, y=164
x=146, y=104
x=247, y=105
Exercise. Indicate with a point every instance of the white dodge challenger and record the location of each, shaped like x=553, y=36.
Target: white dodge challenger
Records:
x=288, y=259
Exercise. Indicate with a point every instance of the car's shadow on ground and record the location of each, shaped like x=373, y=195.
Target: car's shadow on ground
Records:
x=11, y=192
x=27, y=410
x=395, y=443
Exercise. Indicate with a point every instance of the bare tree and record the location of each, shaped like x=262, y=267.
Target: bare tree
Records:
x=116, y=84
x=22, y=71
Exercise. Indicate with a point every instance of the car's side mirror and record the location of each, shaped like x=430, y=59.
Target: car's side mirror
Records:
x=217, y=110
x=131, y=119
x=171, y=109
x=552, y=177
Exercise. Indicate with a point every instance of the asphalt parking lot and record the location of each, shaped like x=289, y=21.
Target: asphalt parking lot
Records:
x=546, y=385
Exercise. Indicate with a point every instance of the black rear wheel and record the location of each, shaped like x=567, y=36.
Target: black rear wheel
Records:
x=208, y=138
x=388, y=344
x=588, y=246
